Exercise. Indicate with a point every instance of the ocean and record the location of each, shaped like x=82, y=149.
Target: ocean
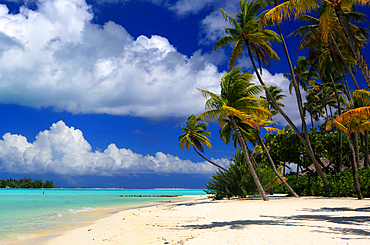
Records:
x=26, y=212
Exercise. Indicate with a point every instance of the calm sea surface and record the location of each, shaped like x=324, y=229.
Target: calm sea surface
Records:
x=24, y=212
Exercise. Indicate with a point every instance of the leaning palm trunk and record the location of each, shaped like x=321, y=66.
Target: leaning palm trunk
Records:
x=304, y=142
x=353, y=42
x=295, y=85
x=340, y=113
x=245, y=152
x=354, y=170
x=273, y=165
x=209, y=160
x=364, y=146
x=300, y=107
x=366, y=149
x=344, y=61
x=357, y=150
x=252, y=158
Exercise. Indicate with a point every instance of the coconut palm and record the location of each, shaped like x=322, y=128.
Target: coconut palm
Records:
x=312, y=106
x=277, y=94
x=352, y=122
x=237, y=101
x=303, y=75
x=291, y=7
x=259, y=122
x=227, y=133
x=325, y=31
x=247, y=34
x=196, y=135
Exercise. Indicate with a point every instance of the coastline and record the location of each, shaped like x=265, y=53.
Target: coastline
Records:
x=94, y=215
x=201, y=220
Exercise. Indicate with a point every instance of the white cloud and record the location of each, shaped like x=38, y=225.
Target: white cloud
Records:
x=64, y=150
x=54, y=56
x=213, y=26
x=184, y=7
x=290, y=102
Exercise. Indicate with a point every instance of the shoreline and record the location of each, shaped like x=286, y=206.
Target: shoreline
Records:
x=201, y=220
x=43, y=236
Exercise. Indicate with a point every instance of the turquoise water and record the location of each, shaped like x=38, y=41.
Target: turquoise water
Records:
x=24, y=212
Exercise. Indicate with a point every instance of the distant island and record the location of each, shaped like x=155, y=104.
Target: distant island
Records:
x=25, y=183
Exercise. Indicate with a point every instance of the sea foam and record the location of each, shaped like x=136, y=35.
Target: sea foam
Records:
x=84, y=209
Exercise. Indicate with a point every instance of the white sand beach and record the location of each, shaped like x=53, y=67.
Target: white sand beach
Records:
x=200, y=220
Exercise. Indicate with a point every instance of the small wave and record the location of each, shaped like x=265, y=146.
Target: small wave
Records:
x=84, y=209
x=60, y=215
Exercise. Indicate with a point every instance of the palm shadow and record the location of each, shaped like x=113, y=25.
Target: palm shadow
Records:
x=293, y=221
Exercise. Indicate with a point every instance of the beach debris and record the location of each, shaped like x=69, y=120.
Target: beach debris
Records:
x=89, y=230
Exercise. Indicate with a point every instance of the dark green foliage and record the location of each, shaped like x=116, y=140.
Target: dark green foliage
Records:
x=340, y=183
x=238, y=181
x=286, y=147
x=26, y=183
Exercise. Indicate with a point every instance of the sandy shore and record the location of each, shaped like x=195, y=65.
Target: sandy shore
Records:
x=281, y=220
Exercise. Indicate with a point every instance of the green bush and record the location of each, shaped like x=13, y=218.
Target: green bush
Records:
x=238, y=181
x=341, y=185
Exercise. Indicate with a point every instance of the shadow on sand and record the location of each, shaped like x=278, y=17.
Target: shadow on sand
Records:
x=308, y=221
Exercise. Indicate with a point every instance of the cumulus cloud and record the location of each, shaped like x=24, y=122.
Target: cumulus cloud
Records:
x=213, y=26
x=54, y=56
x=64, y=150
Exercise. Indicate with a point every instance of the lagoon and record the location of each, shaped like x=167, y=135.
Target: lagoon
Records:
x=26, y=212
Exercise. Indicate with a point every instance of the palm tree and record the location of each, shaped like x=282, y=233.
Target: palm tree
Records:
x=290, y=7
x=325, y=32
x=246, y=33
x=351, y=122
x=312, y=106
x=196, y=135
x=303, y=76
x=277, y=94
x=236, y=101
x=227, y=133
x=258, y=122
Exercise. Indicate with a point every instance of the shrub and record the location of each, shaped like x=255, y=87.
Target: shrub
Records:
x=238, y=180
x=341, y=185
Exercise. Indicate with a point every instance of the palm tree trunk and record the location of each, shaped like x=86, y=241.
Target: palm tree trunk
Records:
x=366, y=154
x=311, y=121
x=366, y=150
x=273, y=165
x=352, y=42
x=357, y=150
x=246, y=155
x=344, y=61
x=297, y=177
x=354, y=170
x=253, y=160
x=296, y=86
x=341, y=151
x=304, y=142
x=340, y=113
x=210, y=160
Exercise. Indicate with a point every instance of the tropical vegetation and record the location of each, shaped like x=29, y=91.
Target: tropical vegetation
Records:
x=25, y=183
x=324, y=81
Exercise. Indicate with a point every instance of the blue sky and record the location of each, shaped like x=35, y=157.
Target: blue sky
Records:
x=93, y=93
